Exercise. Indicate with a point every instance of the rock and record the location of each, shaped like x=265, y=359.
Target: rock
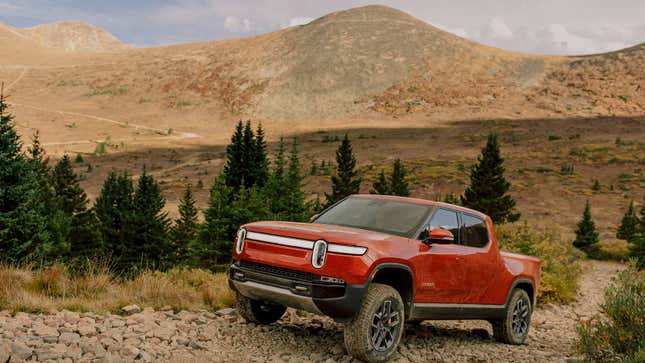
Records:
x=130, y=352
x=131, y=309
x=20, y=350
x=5, y=351
x=224, y=312
x=70, y=316
x=69, y=338
x=85, y=329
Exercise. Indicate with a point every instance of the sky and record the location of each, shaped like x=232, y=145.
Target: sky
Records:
x=534, y=26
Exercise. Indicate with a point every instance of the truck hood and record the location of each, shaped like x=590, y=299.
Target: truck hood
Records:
x=330, y=233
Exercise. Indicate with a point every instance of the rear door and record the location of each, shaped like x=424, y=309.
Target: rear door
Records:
x=478, y=257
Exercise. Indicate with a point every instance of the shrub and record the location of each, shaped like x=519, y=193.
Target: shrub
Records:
x=618, y=334
x=560, y=261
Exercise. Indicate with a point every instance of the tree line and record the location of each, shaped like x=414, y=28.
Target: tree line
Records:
x=45, y=215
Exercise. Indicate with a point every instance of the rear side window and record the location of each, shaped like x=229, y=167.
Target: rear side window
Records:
x=474, y=231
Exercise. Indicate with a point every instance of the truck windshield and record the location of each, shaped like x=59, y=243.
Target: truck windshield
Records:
x=387, y=216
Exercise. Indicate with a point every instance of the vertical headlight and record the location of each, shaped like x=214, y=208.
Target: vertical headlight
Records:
x=319, y=254
x=239, y=242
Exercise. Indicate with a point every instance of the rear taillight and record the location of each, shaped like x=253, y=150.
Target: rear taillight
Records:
x=239, y=242
x=319, y=254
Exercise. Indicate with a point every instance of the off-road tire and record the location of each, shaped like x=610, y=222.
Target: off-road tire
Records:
x=358, y=332
x=503, y=328
x=259, y=312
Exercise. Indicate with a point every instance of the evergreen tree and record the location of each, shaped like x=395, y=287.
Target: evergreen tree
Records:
x=78, y=223
x=214, y=245
x=451, y=198
x=637, y=251
x=628, y=228
x=186, y=228
x=398, y=183
x=149, y=240
x=114, y=209
x=57, y=221
x=260, y=166
x=234, y=170
x=276, y=189
x=247, y=206
x=346, y=181
x=381, y=185
x=586, y=234
x=488, y=188
x=248, y=156
x=641, y=229
x=24, y=229
x=296, y=210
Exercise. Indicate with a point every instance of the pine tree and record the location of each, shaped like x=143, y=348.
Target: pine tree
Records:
x=79, y=224
x=186, y=228
x=260, y=167
x=637, y=251
x=296, y=209
x=346, y=181
x=234, y=170
x=214, y=245
x=628, y=228
x=57, y=221
x=488, y=188
x=398, y=183
x=248, y=156
x=247, y=206
x=586, y=234
x=149, y=240
x=381, y=185
x=275, y=191
x=451, y=198
x=642, y=219
x=24, y=225
x=114, y=209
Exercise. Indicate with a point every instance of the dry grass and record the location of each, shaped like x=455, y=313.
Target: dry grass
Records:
x=96, y=290
x=560, y=260
x=615, y=249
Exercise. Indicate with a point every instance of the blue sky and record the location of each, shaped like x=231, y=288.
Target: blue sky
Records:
x=536, y=26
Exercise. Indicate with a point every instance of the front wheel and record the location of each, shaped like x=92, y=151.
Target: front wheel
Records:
x=374, y=333
x=259, y=312
x=514, y=328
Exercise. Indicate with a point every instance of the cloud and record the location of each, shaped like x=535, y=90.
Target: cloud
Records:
x=499, y=29
x=235, y=24
x=300, y=20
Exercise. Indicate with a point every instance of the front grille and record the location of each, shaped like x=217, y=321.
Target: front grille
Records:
x=279, y=271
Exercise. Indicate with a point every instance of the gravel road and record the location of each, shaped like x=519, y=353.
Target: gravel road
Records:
x=155, y=336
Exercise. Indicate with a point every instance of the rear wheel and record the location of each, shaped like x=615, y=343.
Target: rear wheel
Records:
x=259, y=312
x=374, y=333
x=514, y=328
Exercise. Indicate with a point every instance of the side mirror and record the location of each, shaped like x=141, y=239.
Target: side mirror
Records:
x=440, y=236
x=313, y=218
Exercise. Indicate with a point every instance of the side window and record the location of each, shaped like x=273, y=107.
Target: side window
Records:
x=474, y=231
x=445, y=219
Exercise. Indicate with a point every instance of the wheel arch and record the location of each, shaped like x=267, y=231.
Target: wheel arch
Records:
x=523, y=284
x=400, y=277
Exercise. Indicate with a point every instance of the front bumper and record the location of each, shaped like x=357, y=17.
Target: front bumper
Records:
x=296, y=289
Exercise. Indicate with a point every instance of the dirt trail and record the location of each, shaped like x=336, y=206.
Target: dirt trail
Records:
x=223, y=336
x=551, y=338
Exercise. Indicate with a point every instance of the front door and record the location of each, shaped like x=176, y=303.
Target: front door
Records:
x=443, y=270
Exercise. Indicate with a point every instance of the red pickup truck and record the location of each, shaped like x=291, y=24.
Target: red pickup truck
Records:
x=374, y=262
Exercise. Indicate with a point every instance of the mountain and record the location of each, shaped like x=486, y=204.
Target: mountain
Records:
x=66, y=36
x=366, y=63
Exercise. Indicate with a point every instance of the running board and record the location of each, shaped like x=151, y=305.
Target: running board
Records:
x=438, y=311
